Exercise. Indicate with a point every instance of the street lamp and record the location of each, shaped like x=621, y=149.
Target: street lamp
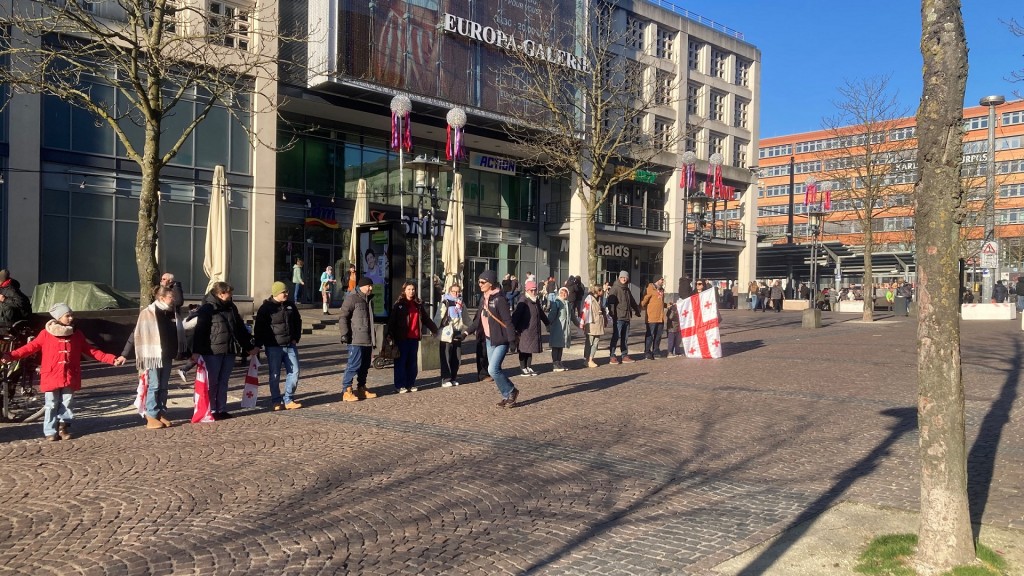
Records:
x=688, y=182
x=400, y=108
x=714, y=184
x=698, y=209
x=816, y=222
x=990, y=198
x=426, y=188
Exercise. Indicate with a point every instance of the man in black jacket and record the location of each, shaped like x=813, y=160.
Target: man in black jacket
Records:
x=621, y=307
x=14, y=304
x=355, y=319
x=277, y=329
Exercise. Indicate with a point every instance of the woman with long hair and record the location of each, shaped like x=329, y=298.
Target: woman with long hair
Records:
x=327, y=282
x=405, y=326
x=451, y=352
x=592, y=321
x=560, y=328
x=527, y=319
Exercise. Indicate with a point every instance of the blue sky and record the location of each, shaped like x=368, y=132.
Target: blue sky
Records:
x=809, y=47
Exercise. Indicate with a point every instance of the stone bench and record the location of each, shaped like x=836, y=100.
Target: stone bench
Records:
x=851, y=307
x=796, y=304
x=990, y=311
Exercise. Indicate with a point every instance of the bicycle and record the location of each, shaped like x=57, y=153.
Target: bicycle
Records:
x=19, y=392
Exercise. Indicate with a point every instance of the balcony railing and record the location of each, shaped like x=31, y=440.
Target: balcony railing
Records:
x=625, y=215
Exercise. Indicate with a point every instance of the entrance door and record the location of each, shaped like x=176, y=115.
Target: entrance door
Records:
x=318, y=258
x=471, y=291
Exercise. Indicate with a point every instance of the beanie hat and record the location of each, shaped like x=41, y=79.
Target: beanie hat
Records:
x=624, y=274
x=277, y=288
x=59, y=309
x=4, y=275
x=364, y=281
x=531, y=284
x=489, y=276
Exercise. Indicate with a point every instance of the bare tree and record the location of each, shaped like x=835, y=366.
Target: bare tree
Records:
x=152, y=55
x=865, y=163
x=944, y=535
x=588, y=111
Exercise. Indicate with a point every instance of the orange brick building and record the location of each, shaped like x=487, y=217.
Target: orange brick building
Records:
x=845, y=158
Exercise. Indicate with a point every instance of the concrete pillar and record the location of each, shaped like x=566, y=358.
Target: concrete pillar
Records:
x=263, y=215
x=674, y=266
x=24, y=185
x=579, y=241
x=748, y=255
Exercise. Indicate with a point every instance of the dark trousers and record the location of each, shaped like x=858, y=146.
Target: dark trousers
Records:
x=652, y=338
x=777, y=304
x=620, y=336
x=481, y=357
x=451, y=356
x=525, y=359
x=675, y=341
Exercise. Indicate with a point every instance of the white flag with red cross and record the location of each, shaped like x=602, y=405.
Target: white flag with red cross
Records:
x=141, y=392
x=202, y=394
x=252, y=383
x=698, y=325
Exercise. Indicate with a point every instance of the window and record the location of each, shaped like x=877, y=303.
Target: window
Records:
x=774, y=151
x=718, y=106
x=231, y=23
x=691, y=137
x=663, y=132
x=1011, y=118
x=811, y=167
x=779, y=170
x=718, y=61
x=1011, y=216
x=1011, y=190
x=976, y=123
x=716, y=144
x=635, y=129
x=739, y=153
x=975, y=147
x=1008, y=143
x=1010, y=167
x=666, y=44
x=693, y=98
x=693, y=55
x=903, y=133
x=740, y=114
x=664, y=87
x=742, y=73
x=635, y=33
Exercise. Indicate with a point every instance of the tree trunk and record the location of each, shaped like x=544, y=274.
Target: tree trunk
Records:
x=149, y=216
x=944, y=535
x=869, y=281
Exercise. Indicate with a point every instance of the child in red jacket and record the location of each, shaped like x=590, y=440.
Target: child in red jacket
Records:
x=60, y=371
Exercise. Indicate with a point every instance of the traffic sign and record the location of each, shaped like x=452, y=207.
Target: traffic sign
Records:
x=990, y=255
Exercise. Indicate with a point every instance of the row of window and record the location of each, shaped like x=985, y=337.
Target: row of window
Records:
x=717, y=64
x=717, y=106
x=716, y=143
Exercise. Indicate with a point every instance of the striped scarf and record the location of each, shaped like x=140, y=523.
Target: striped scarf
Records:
x=148, y=353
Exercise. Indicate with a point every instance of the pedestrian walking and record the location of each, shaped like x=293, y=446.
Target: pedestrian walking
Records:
x=753, y=291
x=60, y=368
x=494, y=323
x=776, y=295
x=155, y=343
x=560, y=328
x=451, y=349
x=355, y=321
x=592, y=322
x=327, y=282
x=405, y=326
x=653, y=303
x=277, y=329
x=297, y=279
x=527, y=320
x=622, y=307
x=220, y=335
x=904, y=294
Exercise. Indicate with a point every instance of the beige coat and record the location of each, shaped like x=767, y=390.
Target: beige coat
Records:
x=653, y=304
x=597, y=317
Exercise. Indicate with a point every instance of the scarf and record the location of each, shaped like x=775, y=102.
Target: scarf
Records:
x=148, y=354
x=59, y=330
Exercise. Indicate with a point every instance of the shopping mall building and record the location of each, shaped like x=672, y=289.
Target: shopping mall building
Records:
x=70, y=196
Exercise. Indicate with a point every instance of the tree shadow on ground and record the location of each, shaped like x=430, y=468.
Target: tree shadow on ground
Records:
x=905, y=420
x=588, y=386
x=982, y=457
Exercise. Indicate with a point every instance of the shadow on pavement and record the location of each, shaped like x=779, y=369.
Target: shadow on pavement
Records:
x=589, y=386
x=905, y=421
x=982, y=458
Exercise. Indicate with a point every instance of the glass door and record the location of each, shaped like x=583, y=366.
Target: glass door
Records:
x=471, y=291
x=318, y=258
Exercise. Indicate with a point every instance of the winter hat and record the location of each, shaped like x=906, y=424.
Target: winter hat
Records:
x=531, y=284
x=364, y=281
x=489, y=276
x=4, y=275
x=277, y=288
x=624, y=274
x=59, y=309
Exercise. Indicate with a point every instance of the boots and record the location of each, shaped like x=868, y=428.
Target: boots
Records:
x=164, y=420
x=349, y=396
x=153, y=423
x=363, y=394
x=62, y=431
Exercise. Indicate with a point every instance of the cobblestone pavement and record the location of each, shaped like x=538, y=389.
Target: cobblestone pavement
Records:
x=668, y=466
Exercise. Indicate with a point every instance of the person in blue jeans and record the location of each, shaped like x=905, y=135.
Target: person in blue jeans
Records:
x=405, y=326
x=621, y=307
x=277, y=330
x=219, y=328
x=493, y=323
x=355, y=321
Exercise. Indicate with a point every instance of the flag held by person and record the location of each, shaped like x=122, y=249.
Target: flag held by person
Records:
x=202, y=395
x=252, y=383
x=140, y=394
x=698, y=325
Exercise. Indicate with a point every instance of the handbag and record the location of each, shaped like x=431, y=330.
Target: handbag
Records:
x=447, y=333
x=388, y=350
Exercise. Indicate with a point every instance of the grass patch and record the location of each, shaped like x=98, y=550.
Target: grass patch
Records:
x=890, y=555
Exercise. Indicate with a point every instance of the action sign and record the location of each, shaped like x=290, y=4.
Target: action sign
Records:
x=990, y=255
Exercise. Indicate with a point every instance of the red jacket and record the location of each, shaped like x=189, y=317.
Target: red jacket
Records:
x=61, y=365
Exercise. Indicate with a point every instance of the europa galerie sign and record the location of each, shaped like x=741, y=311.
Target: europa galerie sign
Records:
x=488, y=35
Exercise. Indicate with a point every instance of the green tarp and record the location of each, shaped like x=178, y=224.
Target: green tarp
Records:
x=81, y=296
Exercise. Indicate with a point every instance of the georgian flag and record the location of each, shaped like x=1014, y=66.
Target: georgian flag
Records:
x=202, y=395
x=252, y=383
x=698, y=325
x=140, y=393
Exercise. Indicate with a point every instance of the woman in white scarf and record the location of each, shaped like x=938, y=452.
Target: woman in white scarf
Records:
x=155, y=341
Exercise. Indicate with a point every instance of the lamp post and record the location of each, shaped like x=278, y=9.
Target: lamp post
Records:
x=426, y=187
x=698, y=209
x=714, y=185
x=816, y=220
x=688, y=180
x=400, y=108
x=990, y=197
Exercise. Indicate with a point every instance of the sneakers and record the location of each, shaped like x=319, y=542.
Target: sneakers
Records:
x=529, y=372
x=181, y=374
x=349, y=396
x=614, y=360
x=591, y=364
x=62, y=431
x=403, y=390
x=413, y=388
x=363, y=394
x=293, y=405
x=627, y=360
x=447, y=384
